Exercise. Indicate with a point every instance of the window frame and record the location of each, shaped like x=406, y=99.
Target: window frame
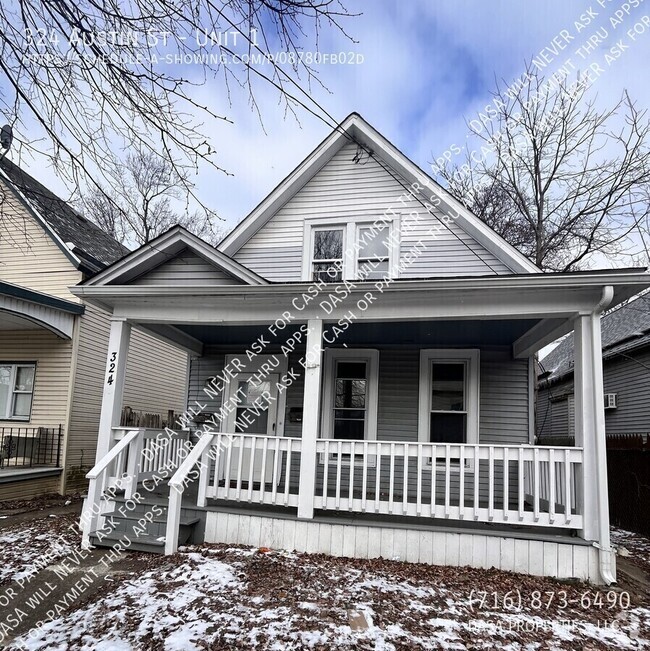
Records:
x=331, y=356
x=472, y=360
x=11, y=403
x=351, y=230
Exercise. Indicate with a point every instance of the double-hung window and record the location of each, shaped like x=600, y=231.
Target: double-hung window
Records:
x=16, y=390
x=373, y=252
x=449, y=396
x=350, y=389
x=327, y=255
x=337, y=250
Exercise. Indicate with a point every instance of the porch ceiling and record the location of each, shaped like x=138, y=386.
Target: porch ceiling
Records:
x=399, y=333
x=539, y=308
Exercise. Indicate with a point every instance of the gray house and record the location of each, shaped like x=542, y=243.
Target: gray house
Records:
x=626, y=377
x=362, y=381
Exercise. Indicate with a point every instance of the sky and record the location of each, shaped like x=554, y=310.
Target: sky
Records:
x=422, y=70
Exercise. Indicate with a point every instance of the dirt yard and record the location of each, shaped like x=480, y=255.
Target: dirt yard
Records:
x=228, y=597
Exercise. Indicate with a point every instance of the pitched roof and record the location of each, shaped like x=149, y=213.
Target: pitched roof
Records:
x=93, y=247
x=624, y=329
x=164, y=248
x=354, y=128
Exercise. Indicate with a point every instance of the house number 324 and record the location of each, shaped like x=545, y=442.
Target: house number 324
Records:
x=111, y=368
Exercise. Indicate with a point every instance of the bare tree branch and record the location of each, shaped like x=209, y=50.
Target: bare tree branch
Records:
x=562, y=180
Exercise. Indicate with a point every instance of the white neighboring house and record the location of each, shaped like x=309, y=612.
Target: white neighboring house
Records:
x=388, y=413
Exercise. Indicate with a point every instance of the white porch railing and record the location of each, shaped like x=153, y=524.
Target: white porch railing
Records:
x=481, y=483
x=252, y=468
x=508, y=484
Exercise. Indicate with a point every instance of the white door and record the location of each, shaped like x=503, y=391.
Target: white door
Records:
x=256, y=413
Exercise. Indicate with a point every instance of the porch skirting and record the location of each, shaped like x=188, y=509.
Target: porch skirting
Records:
x=562, y=560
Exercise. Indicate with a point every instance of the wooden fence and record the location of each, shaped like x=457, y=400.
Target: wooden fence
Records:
x=131, y=418
x=628, y=472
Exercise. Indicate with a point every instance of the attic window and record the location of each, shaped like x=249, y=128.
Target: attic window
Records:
x=336, y=249
x=373, y=257
x=327, y=258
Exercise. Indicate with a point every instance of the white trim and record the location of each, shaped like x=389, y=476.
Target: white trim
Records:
x=11, y=402
x=57, y=321
x=469, y=356
x=532, y=379
x=332, y=355
x=355, y=128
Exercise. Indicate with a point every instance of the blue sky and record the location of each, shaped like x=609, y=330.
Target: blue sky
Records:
x=428, y=67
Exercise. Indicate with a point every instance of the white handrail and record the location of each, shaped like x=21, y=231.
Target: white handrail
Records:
x=176, y=488
x=96, y=487
x=103, y=463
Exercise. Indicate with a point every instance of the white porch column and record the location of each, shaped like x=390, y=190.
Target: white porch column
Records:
x=590, y=427
x=310, y=418
x=118, y=348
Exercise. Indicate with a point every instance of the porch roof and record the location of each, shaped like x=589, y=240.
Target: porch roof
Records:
x=26, y=309
x=548, y=302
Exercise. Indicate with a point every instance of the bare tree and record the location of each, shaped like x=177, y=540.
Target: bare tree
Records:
x=142, y=204
x=559, y=178
x=82, y=81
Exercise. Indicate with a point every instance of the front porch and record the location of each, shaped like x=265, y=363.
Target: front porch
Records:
x=413, y=414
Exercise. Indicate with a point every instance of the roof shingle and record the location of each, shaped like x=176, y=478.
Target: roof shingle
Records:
x=90, y=240
x=625, y=328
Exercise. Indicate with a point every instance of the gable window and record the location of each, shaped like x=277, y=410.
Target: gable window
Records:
x=337, y=250
x=449, y=396
x=350, y=394
x=373, y=257
x=327, y=255
x=16, y=390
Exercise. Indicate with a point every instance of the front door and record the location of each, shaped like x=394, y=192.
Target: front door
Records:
x=256, y=413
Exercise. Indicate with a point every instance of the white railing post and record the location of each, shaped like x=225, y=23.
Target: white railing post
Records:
x=133, y=466
x=118, y=349
x=176, y=488
x=310, y=419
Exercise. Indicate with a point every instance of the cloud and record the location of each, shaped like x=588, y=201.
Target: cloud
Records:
x=427, y=67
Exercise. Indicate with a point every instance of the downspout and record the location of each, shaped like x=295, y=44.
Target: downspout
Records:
x=604, y=547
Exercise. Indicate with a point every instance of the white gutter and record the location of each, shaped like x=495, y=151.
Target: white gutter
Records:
x=605, y=551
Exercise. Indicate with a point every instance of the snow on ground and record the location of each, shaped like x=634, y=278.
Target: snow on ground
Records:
x=218, y=597
x=636, y=545
x=26, y=548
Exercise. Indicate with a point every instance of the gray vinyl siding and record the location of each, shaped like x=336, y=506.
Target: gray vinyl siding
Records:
x=552, y=411
x=628, y=377
x=361, y=191
x=503, y=393
x=186, y=269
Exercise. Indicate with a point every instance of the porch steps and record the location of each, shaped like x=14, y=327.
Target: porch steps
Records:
x=145, y=525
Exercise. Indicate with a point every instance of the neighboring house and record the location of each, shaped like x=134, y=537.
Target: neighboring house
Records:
x=626, y=376
x=362, y=380
x=53, y=347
